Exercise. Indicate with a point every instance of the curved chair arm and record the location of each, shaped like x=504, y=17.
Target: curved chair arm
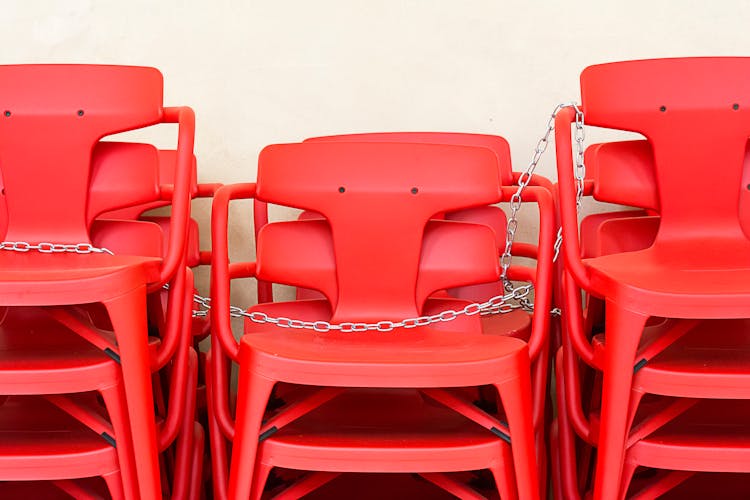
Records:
x=535, y=180
x=181, y=373
x=220, y=268
x=219, y=392
x=521, y=249
x=567, y=197
x=573, y=309
x=185, y=118
x=543, y=276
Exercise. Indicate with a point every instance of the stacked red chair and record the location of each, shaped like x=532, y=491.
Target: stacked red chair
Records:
x=621, y=173
x=513, y=322
x=360, y=400
x=675, y=292
x=55, y=284
x=516, y=322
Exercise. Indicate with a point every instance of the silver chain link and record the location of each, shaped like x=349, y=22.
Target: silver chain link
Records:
x=525, y=178
x=205, y=305
x=496, y=305
x=45, y=247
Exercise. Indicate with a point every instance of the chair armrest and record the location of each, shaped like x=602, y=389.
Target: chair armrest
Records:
x=567, y=197
x=220, y=267
x=185, y=118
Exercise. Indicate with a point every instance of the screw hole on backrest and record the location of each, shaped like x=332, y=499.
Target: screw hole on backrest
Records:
x=735, y=106
x=414, y=190
x=80, y=112
x=342, y=189
x=7, y=113
x=663, y=109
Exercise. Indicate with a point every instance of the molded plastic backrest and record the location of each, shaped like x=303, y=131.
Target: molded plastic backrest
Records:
x=300, y=253
x=51, y=116
x=123, y=175
x=377, y=199
x=165, y=167
x=695, y=112
x=623, y=172
x=496, y=143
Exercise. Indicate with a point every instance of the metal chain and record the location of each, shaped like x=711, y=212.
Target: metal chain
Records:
x=523, y=181
x=204, y=303
x=496, y=305
x=45, y=247
x=525, y=178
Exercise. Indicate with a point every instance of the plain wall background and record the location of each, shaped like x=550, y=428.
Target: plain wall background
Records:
x=258, y=73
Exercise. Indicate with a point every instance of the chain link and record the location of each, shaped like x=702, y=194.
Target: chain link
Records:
x=525, y=179
x=496, y=305
x=45, y=247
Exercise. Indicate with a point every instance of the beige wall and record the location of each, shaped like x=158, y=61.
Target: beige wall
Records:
x=263, y=72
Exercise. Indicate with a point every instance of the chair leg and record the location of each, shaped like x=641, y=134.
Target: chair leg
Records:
x=628, y=471
x=623, y=331
x=114, y=485
x=252, y=396
x=505, y=482
x=114, y=401
x=185, y=446
x=557, y=488
x=128, y=316
x=217, y=443
x=262, y=470
x=566, y=439
x=196, y=469
x=516, y=397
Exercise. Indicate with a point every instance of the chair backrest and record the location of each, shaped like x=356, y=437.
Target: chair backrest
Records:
x=494, y=142
x=122, y=175
x=140, y=201
x=302, y=254
x=51, y=117
x=695, y=114
x=377, y=199
x=623, y=172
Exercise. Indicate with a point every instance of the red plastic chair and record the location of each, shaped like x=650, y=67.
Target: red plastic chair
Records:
x=673, y=103
x=46, y=139
x=41, y=356
x=516, y=323
x=322, y=178
x=686, y=360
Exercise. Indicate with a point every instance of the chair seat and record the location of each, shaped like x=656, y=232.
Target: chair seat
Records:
x=713, y=436
x=418, y=357
x=391, y=431
x=682, y=281
x=39, y=441
x=516, y=324
x=39, y=355
x=710, y=361
x=33, y=278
